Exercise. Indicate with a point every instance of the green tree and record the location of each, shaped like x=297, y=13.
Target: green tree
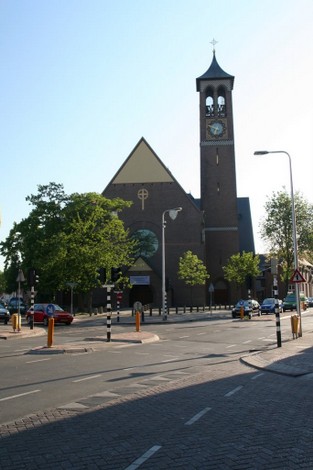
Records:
x=68, y=238
x=276, y=229
x=241, y=267
x=3, y=285
x=192, y=271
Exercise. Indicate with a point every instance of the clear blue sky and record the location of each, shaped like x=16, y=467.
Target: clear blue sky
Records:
x=83, y=80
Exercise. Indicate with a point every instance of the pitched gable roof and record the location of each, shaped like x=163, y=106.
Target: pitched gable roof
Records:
x=142, y=166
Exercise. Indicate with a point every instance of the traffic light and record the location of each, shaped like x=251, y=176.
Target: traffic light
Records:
x=115, y=274
x=31, y=277
x=102, y=275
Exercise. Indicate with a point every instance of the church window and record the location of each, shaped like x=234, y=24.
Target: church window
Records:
x=221, y=102
x=147, y=242
x=209, y=103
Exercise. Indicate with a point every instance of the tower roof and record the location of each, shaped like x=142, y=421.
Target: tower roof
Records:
x=214, y=72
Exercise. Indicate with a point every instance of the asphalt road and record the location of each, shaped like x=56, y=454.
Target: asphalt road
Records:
x=30, y=383
x=184, y=402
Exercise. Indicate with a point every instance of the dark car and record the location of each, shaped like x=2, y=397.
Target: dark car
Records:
x=16, y=305
x=4, y=313
x=310, y=301
x=290, y=302
x=268, y=305
x=251, y=307
x=42, y=313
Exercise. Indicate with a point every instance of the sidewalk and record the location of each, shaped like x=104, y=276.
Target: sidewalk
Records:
x=294, y=358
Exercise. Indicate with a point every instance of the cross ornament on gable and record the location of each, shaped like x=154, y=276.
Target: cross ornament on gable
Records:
x=143, y=194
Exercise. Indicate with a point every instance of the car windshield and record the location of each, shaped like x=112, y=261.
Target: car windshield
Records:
x=58, y=308
x=245, y=303
x=268, y=301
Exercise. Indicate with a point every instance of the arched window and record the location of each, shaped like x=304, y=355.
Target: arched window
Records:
x=221, y=102
x=209, y=103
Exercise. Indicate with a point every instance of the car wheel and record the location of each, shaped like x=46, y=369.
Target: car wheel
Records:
x=259, y=313
x=45, y=321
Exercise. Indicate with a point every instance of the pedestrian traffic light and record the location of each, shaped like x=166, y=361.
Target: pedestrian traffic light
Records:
x=102, y=275
x=31, y=277
x=115, y=274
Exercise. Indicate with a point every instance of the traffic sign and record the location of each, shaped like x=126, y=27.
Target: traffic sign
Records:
x=297, y=277
x=50, y=309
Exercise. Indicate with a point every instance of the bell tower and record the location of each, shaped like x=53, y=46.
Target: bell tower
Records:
x=218, y=175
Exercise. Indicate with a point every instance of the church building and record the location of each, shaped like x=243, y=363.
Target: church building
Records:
x=213, y=227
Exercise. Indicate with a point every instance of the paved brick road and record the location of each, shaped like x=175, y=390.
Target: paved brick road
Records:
x=230, y=417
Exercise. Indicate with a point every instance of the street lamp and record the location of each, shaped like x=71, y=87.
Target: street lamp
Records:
x=173, y=214
x=294, y=227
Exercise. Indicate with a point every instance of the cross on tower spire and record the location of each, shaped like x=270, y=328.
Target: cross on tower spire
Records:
x=213, y=42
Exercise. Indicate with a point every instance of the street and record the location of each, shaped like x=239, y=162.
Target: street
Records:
x=185, y=401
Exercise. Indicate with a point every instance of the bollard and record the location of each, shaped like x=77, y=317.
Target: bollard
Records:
x=16, y=322
x=109, y=323
x=242, y=312
x=137, y=321
x=295, y=325
x=50, y=332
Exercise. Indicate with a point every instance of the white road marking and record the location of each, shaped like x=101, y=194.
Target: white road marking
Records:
x=38, y=360
x=246, y=342
x=204, y=333
x=257, y=376
x=230, y=346
x=143, y=458
x=229, y=394
x=182, y=337
x=19, y=395
x=87, y=378
x=197, y=416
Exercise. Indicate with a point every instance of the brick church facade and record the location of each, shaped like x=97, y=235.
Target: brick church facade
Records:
x=213, y=227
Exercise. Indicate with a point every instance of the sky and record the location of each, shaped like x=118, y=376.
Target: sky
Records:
x=83, y=80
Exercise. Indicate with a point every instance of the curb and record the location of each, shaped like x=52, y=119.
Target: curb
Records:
x=99, y=341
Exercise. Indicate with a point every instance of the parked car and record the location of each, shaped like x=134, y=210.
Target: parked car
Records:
x=251, y=307
x=310, y=301
x=15, y=304
x=4, y=314
x=42, y=313
x=290, y=301
x=268, y=305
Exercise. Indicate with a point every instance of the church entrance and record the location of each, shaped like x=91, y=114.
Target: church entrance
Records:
x=141, y=294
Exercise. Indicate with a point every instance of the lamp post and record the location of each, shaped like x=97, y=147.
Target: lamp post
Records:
x=173, y=214
x=294, y=227
x=20, y=278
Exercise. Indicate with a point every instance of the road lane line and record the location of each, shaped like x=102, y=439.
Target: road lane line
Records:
x=248, y=341
x=19, y=395
x=231, y=346
x=182, y=337
x=87, y=378
x=235, y=390
x=38, y=360
x=197, y=416
x=143, y=458
x=257, y=376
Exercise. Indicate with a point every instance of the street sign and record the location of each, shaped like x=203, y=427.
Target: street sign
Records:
x=297, y=277
x=50, y=309
x=138, y=306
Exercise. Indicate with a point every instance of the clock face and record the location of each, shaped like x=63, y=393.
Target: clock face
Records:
x=216, y=128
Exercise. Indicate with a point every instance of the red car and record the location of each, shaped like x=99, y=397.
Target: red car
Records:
x=42, y=313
